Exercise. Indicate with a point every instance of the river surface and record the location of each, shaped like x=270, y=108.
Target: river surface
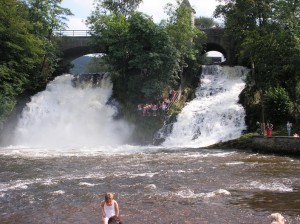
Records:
x=152, y=185
x=68, y=150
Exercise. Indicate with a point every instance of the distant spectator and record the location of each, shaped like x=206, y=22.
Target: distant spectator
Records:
x=145, y=108
x=140, y=109
x=269, y=127
x=154, y=109
x=289, y=128
x=258, y=130
x=167, y=102
x=173, y=93
x=170, y=93
x=163, y=107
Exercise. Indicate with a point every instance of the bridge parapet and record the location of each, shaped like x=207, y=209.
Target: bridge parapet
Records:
x=73, y=33
x=70, y=42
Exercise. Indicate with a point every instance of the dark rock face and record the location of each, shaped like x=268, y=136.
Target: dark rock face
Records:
x=278, y=145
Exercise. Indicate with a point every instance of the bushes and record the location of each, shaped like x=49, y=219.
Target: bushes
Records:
x=278, y=105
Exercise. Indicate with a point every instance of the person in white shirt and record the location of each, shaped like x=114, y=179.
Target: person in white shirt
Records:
x=109, y=207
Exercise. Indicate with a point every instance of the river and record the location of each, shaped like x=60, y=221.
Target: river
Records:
x=58, y=167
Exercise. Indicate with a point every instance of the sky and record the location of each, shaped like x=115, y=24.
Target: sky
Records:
x=155, y=8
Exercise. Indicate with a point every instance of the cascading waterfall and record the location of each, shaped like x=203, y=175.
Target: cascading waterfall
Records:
x=70, y=113
x=214, y=115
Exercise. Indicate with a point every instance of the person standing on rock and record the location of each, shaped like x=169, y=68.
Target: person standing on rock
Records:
x=289, y=128
x=269, y=127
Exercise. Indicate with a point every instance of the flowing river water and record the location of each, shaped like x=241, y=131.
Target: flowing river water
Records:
x=63, y=158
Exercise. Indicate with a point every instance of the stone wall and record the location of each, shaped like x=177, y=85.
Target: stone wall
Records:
x=277, y=145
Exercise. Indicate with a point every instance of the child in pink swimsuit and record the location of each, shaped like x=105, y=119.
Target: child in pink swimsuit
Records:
x=109, y=207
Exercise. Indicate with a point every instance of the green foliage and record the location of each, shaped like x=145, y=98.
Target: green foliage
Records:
x=140, y=54
x=97, y=64
x=113, y=30
x=28, y=55
x=278, y=105
x=205, y=22
x=20, y=53
x=124, y=7
x=244, y=142
x=152, y=56
x=7, y=104
x=45, y=17
x=266, y=36
x=182, y=30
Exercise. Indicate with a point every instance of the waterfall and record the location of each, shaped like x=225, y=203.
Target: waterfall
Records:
x=72, y=112
x=214, y=115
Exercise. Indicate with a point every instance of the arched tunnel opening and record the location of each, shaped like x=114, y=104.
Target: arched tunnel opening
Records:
x=89, y=63
x=215, y=54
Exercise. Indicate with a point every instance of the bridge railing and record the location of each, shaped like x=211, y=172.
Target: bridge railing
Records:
x=72, y=33
x=86, y=33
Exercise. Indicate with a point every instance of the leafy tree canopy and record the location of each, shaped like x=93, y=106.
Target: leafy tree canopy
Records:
x=139, y=52
x=205, y=22
x=266, y=35
x=28, y=55
x=124, y=7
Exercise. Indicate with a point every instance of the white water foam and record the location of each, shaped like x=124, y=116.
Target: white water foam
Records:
x=59, y=192
x=87, y=184
x=188, y=193
x=214, y=115
x=64, y=116
x=47, y=152
x=274, y=185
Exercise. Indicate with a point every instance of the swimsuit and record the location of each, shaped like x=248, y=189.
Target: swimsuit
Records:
x=109, y=210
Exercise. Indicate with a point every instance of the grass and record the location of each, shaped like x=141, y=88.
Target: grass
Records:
x=240, y=143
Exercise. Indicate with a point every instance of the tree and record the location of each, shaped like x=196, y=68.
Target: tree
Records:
x=205, y=22
x=124, y=7
x=266, y=34
x=46, y=16
x=140, y=54
x=183, y=33
x=20, y=53
x=153, y=58
x=28, y=55
x=278, y=105
x=97, y=64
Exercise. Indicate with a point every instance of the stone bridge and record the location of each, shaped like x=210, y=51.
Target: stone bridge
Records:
x=75, y=43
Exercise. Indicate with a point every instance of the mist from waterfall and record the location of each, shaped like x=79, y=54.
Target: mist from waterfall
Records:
x=65, y=115
x=215, y=114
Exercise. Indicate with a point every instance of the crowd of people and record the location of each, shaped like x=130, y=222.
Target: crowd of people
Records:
x=154, y=109
x=263, y=128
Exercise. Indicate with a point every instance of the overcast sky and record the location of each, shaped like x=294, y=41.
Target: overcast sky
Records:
x=155, y=8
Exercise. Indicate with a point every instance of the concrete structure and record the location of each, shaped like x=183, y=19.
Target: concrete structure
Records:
x=77, y=43
x=278, y=145
x=217, y=41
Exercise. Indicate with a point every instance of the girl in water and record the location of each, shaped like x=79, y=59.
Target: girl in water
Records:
x=109, y=207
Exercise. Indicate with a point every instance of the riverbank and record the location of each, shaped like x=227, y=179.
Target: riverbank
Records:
x=281, y=145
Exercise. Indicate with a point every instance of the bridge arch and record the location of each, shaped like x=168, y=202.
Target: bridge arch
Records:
x=76, y=46
x=215, y=47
